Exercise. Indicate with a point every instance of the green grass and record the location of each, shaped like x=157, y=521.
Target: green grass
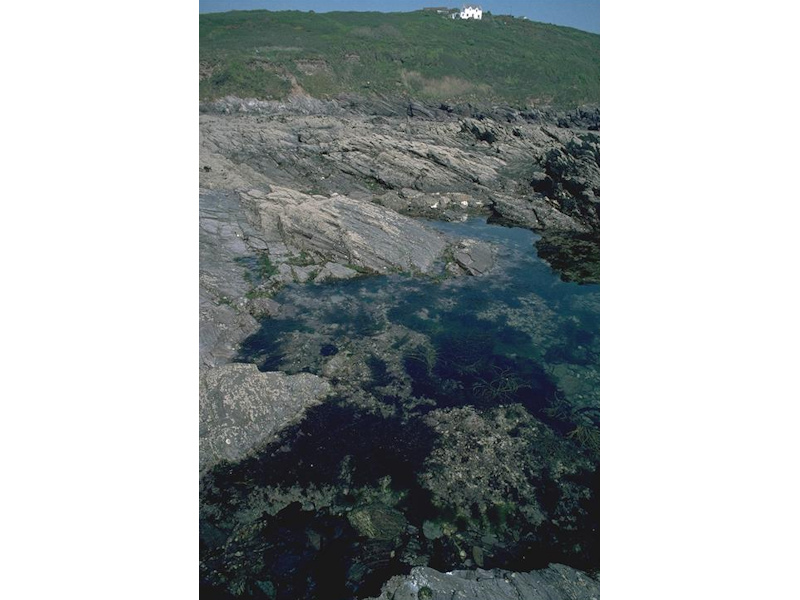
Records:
x=262, y=54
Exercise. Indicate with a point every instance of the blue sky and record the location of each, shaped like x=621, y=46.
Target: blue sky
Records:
x=581, y=14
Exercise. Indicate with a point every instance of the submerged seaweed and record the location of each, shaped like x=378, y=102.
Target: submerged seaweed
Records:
x=464, y=432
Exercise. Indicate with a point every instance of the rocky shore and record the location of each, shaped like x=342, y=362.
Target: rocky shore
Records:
x=297, y=189
x=307, y=192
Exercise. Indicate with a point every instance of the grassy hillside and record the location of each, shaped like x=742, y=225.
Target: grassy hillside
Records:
x=266, y=55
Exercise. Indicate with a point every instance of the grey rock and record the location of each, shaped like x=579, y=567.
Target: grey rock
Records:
x=286, y=272
x=222, y=328
x=474, y=257
x=303, y=274
x=356, y=232
x=241, y=408
x=264, y=307
x=557, y=582
x=332, y=271
x=226, y=234
x=341, y=147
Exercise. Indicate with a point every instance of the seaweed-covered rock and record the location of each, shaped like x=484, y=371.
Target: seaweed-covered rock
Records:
x=504, y=474
x=575, y=256
x=377, y=522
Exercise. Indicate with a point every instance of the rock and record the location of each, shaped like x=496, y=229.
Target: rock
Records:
x=481, y=131
x=535, y=213
x=477, y=555
x=576, y=256
x=332, y=271
x=548, y=175
x=264, y=307
x=303, y=274
x=226, y=235
x=481, y=459
x=361, y=233
x=377, y=522
x=583, y=117
x=431, y=530
x=474, y=257
x=285, y=273
x=241, y=408
x=556, y=582
x=417, y=109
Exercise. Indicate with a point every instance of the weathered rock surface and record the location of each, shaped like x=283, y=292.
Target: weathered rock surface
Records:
x=556, y=582
x=241, y=408
x=352, y=231
x=473, y=256
x=376, y=149
x=537, y=213
x=225, y=236
x=333, y=271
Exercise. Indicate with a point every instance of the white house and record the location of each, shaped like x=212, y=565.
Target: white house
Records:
x=470, y=11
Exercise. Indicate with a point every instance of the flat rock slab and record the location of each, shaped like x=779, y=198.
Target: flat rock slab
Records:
x=474, y=257
x=241, y=408
x=332, y=271
x=358, y=232
x=556, y=582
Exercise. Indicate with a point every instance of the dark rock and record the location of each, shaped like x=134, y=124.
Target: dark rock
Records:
x=417, y=109
x=537, y=213
x=481, y=131
x=328, y=350
x=377, y=522
x=584, y=117
x=576, y=256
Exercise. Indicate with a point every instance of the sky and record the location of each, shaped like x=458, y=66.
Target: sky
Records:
x=580, y=14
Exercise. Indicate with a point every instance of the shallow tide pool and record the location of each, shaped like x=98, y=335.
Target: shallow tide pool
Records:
x=463, y=432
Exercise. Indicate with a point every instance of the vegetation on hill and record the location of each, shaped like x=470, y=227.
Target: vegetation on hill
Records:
x=268, y=55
